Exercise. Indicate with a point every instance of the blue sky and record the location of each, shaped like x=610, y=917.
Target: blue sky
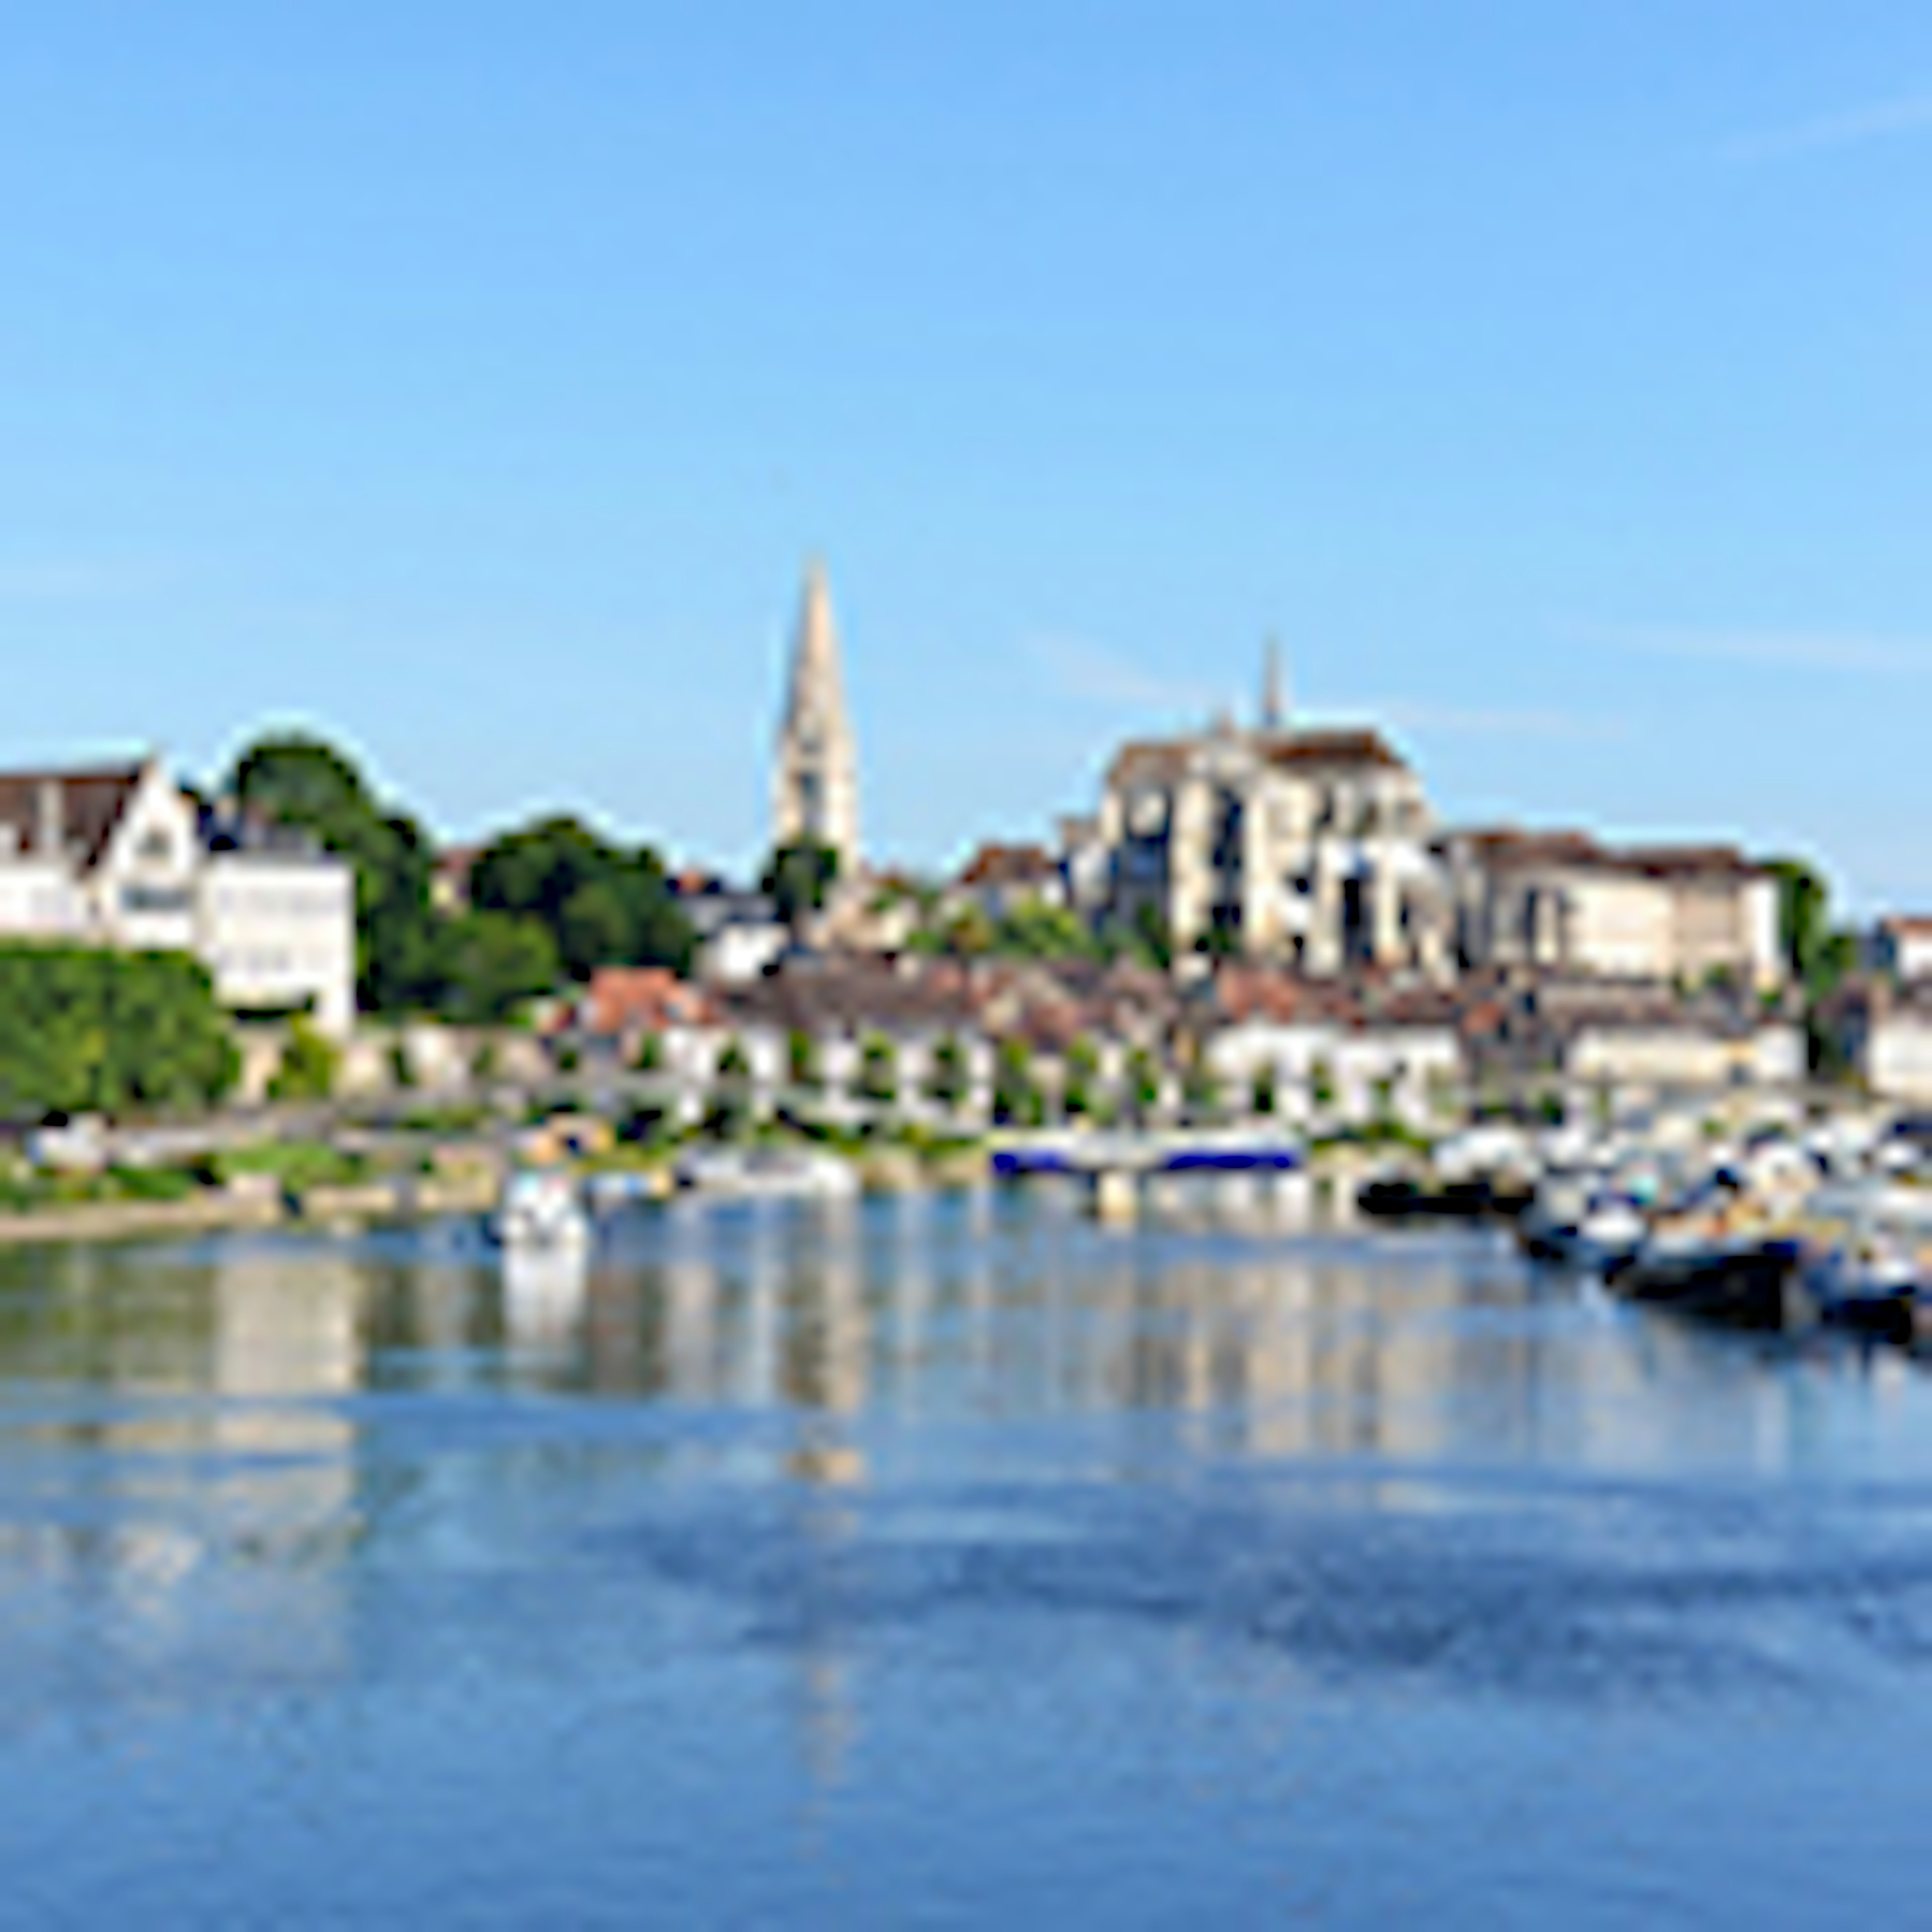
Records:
x=472, y=381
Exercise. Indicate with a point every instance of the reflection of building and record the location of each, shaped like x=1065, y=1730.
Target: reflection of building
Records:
x=815, y=792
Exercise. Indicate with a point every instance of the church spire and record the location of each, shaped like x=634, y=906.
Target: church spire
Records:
x=1274, y=689
x=815, y=790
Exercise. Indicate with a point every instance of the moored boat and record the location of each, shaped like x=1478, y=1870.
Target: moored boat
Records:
x=540, y=1209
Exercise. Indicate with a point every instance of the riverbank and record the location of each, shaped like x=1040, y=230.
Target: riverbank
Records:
x=403, y=1198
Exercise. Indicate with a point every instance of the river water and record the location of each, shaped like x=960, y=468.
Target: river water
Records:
x=949, y=1561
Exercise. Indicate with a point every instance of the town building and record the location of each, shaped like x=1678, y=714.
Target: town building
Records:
x=1317, y=850
x=121, y=856
x=815, y=784
x=1880, y=1033
x=1001, y=879
x=1902, y=947
x=1563, y=903
x=1311, y=847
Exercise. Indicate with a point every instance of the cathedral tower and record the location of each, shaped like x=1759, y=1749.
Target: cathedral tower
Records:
x=815, y=788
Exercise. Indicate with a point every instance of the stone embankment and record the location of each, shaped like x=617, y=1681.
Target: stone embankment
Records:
x=398, y=1198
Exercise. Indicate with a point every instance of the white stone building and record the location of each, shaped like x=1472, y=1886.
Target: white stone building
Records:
x=1310, y=847
x=1561, y=903
x=120, y=857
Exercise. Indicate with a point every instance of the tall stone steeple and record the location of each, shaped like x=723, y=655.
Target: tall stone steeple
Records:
x=1274, y=689
x=815, y=786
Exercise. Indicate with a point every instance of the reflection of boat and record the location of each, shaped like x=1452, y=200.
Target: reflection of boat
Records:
x=539, y=1209
x=1402, y=1198
x=782, y=1173
x=1870, y=1283
x=1748, y=1283
x=544, y=1292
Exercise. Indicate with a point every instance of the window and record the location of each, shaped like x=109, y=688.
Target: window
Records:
x=156, y=898
x=156, y=844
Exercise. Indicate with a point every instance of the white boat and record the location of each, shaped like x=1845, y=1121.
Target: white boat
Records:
x=539, y=1209
x=767, y=1174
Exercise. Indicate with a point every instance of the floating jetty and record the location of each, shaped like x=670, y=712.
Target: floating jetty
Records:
x=1114, y=1166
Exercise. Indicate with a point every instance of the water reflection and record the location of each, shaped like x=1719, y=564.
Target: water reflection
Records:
x=268, y=1451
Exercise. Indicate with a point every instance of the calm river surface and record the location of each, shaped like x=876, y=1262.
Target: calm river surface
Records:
x=947, y=1560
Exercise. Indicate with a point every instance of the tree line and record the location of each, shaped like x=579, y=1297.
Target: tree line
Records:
x=547, y=903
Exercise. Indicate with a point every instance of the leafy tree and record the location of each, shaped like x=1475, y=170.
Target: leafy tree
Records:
x=1804, y=914
x=1143, y=939
x=1203, y=1091
x=310, y=1061
x=85, y=1030
x=798, y=877
x=492, y=963
x=300, y=782
x=1017, y=1101
x=969, y=932
x=1143, y=1081
x=1261, y=1092
x=1036, y=930
x=878, y=1070
x=601, y=905
x=1150, y=931
x=734, y=1064
x=650, y=1055
x=947, y=1081
x=801, y=1059
x=1221, y=940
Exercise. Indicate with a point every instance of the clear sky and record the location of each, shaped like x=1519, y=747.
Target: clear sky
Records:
x=472, y=381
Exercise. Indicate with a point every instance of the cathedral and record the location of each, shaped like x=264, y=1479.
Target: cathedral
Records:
x=815, y=788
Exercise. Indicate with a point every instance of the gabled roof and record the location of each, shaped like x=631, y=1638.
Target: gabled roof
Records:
x=1010, y=865
x=1345, y=749
x=91, y=804
x=1339, y=750
x=1156, y=758
x=1507, y=847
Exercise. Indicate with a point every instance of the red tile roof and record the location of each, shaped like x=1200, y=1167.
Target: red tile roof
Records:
x=622, y=999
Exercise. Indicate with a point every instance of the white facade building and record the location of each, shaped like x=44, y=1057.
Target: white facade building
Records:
x=118, y=857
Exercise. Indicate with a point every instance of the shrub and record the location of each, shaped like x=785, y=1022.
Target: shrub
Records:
x=309, y=1063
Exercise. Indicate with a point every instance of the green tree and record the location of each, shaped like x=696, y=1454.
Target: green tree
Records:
x=601, y=905
x=798, y=877
x=968, y=932
x=492, y=963
x=1017, y=1100
x=1143, y=1082
x=801, y=1058
x=85, y=1030
x=1035, y=930
x=948, y=1080
x=310, y=1061
x=1203, y=1090
x=302, y=782
x=1262, y=1095
x=1804, y=914
x=878, y=1070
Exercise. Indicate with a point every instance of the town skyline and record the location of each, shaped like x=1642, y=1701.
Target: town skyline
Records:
x=1567, y=426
